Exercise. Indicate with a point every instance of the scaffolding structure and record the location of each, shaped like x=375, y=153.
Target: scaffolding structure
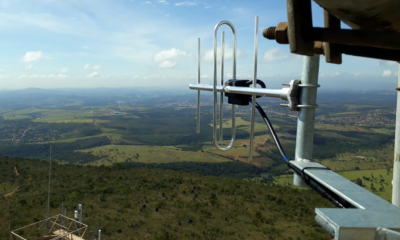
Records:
x=60, y=228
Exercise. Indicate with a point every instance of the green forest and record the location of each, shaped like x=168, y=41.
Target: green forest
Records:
x=143, y=203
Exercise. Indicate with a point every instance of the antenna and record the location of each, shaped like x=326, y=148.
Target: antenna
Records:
x=48, y=194
x=198, y=92
x=61, y=227
x=221, y=95
x=253, y=103
x=79, y=214
x=233, y=88
x=363, y=215
x=215, y=86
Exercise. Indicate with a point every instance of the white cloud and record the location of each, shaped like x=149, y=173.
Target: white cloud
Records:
x=166, y=58
x=273, y=55
x=32, y=56
x=162, y=1
x=186, y=3
x=167, y=64
x=169, y=54
x=29, y=67
x=93, y=74
x=228, y=53
x=91, y=67
x=64, y=70
x=387, y=73
x=147, y=2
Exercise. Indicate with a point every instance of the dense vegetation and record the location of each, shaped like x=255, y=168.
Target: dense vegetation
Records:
x=61, y=151
x=140, y=203
x=234, y=169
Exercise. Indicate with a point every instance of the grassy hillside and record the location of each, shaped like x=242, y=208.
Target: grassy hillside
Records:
x=156, y=204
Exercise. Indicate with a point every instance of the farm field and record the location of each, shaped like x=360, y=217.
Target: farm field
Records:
x=148, y=154
x=81, y=115
x=347, y=137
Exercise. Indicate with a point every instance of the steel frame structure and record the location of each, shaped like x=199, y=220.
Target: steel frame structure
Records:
x=62, y=228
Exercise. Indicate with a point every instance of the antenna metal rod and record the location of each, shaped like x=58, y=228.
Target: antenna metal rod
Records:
x=198, y=92
x=396, y=162
x=79, y=214
x=221, y=102
x=215, y=135
x=305, y=122
x=48, y=194
x=275, y=93
x=253, y=103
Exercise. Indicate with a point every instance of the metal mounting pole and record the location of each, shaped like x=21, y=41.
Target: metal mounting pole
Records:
x=80, y=215
x=48, y=193
x=305, y=122
x=253, y=102
x=396, y=163
x=198, y=92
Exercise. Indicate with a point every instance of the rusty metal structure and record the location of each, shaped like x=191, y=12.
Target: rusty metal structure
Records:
x=375, y=29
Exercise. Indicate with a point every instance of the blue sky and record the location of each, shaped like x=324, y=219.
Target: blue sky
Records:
x=129, y=43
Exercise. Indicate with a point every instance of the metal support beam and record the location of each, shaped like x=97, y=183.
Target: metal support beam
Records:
x=333, y=47
x=305, y=122
x=396, y=163
x=332, y=55
x=198, y=92
x=299, y=25
x=367, y=212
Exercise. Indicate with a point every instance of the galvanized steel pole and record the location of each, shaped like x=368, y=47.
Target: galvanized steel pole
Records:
x=305, y=122
x=80, y=215
x=396, y=163
x=48, y=193
x=198, y=92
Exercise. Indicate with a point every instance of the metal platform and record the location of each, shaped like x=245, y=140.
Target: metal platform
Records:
x=361, y=222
